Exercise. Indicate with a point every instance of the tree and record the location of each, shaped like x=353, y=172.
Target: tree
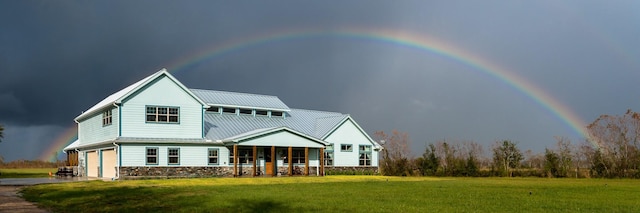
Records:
x=429, y=162
x=1, y=132
x=396, y=154
x=506, y=156
x=617, y=139
x=551, y=163
x=565, y=158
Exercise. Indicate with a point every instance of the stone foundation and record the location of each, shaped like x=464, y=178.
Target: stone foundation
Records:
x=351, y=170
x=223, y=171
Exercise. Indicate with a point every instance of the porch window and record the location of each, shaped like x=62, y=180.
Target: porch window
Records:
x=328, y=155
x=173, y=155
x=297, y=156
x=163, y=114
x=152, y=155
x=245, y=156
x=365, y=155
x=346, y=147
x=213, y=156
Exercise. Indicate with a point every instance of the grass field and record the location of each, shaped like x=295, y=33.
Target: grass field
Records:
x=341, y=194
x=27, y=173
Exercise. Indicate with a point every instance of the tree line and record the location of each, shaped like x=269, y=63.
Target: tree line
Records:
x=612, y=150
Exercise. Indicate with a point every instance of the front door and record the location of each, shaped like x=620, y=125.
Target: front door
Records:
x=268, y=165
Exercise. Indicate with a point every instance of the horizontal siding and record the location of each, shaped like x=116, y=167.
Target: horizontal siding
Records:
x=162, y=92
x=91, y=130
x=282, y=139
x=135, y=155
x=348, y=133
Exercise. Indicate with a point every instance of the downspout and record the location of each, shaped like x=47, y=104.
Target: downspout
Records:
x=117, y=160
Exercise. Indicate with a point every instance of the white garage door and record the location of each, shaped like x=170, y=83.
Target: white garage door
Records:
x=92, y=164
x=109, y=163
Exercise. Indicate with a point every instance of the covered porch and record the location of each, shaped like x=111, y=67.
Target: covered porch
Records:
x=275, y=152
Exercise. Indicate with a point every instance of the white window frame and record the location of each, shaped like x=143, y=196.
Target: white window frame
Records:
x=147, y=156
x=107, y=117
x=162, y=114
x=365, y=155
x=346, y=147
x=175, y=155
x=216, y=156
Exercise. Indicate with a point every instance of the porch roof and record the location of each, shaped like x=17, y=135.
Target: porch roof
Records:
x=275, y=136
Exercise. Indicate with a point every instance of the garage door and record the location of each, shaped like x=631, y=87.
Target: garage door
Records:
x=109, y=163
x=92, y=164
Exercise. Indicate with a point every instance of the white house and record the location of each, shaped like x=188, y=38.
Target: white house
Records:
x=159, y=127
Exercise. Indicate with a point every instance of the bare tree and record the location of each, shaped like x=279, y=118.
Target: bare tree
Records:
x=396, y=156
x=618, y=143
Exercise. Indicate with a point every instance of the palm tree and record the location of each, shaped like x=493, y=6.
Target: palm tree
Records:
x=1, y=130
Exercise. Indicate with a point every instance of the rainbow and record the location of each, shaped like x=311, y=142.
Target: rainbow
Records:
x=55, y=149
x=405, y=39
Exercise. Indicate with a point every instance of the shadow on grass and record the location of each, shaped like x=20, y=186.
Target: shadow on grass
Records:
x=247, y=205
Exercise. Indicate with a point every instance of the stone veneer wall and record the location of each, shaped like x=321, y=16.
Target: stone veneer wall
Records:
x=223, y=171
x=351, y=170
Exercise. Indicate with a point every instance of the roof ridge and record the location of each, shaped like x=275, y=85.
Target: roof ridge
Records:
x=242, y=93
x=311, y=110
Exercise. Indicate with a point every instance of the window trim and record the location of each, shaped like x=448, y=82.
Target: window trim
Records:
x=146, y=113
x=146, y=155
x=299, y=157
x=107, y=117
x=209, y=156
x=169, y=156
x=328, y=153
x=350, y=149
x=365, y=152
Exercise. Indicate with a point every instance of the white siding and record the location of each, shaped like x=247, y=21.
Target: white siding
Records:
x=91, y=130
x=282, y=139
x=348, y=133
x=135, y=155
x=162, y=92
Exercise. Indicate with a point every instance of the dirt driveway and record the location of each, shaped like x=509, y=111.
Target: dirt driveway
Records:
x=11, y=202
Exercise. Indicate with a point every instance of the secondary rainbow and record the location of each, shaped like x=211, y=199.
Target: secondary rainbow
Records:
x=406, y=39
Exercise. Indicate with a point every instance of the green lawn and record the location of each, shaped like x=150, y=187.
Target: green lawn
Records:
x=27, y=173
x=341, y=194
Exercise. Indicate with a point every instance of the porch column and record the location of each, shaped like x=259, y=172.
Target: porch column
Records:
x=290, y=161
x=306, y=161
x=273, y=161
x=235, y=160
x=321, y=161
x=255, y=158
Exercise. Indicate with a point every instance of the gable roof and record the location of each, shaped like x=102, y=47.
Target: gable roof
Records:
x=265, y=131
x=118, y=97
x=241, y=100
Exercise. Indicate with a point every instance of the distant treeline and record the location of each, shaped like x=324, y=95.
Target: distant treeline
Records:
x=616, y=154
x=16, y=164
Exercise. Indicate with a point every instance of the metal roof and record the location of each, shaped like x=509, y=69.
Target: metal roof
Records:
x=223, y=126
x=235, y=99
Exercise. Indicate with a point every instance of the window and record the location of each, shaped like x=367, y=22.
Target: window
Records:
x=276, y=114
x=365, y=155
x=214, y=109
x=152, y=155
x=261, y=112
x=246, y=111
x=328, y=155
x=244, y=156
x=346, y=147
x=163, y=114
x=229, y=110
x=213, y=156
x=174, y=155
x=297, y=156
x=106, y=118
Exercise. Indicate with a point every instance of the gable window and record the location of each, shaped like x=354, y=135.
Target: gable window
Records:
x=106, y=118
x=163, y=114
x=328, y=155
x=213, y=156
x=173, y=156
x=365, y=155
x=229, y=110
x=152, y=155
x=346, y=147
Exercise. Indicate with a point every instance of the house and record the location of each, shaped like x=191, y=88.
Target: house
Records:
x=159, y=127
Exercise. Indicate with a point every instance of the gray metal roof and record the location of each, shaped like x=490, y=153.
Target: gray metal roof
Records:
x=234, y=99
x=309, y=122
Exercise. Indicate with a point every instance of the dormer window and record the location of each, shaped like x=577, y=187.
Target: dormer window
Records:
x=276, y=114
x=229, y=110
x=214, y=109
x=246, y=111
x=262, y=112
